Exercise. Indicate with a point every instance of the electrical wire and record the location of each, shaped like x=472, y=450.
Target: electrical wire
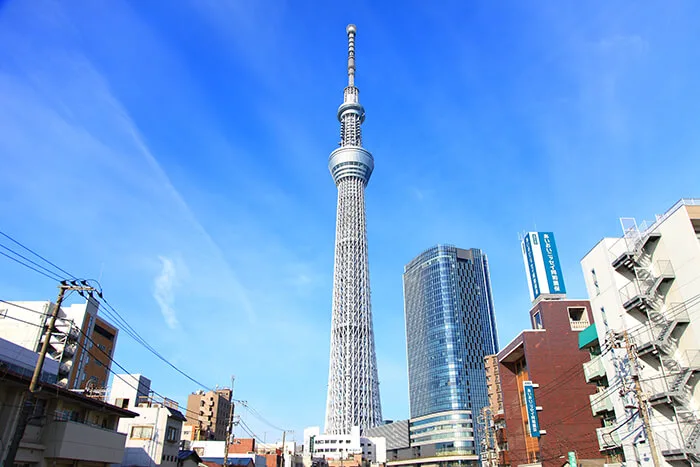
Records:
x=112, y=313
x=576, y=369
x=36, y=254
x=250, y=432
x=258, y=416
x=30, y=267
x=85, y=348
x=108, y=309
x=108, y=357
x=136, y=336
x=670, y=314
x=29, y=260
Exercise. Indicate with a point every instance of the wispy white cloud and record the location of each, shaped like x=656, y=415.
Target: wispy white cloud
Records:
x=163, y=291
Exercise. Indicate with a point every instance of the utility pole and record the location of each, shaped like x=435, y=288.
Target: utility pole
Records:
x=284, y=435
x=641, y=397
x=229, y=427
x=28, y=406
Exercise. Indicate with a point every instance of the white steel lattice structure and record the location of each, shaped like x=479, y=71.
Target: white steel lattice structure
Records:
x=353, y=383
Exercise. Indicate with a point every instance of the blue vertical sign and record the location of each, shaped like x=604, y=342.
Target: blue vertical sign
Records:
x=555, y=278
x=530, y=257
x=533, y=421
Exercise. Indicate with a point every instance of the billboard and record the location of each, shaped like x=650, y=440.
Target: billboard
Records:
x=533, y=421
x=544, y=275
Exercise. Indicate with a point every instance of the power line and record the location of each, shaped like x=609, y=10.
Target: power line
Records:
x=109, y=310
x=136, y=336
x=30, y=267
x=95, y=346
x=36, y=254
x=250, y=432
x=29, y=260
x=257, y=415
x=576, y=369
x=109, y=357
x=112, y=313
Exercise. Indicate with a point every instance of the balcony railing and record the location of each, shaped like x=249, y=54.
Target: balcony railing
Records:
x=672, y=387
x=662, y=325
x=644, y=288
x=678, y=445
x=579, y=325
x=608, y=437
x=66, y=439
x=601, y=402
x=594, y=369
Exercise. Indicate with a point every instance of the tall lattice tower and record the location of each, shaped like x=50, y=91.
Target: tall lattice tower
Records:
x=353, y=383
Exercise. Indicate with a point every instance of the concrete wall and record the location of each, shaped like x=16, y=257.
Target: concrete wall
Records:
x=131, y=387
x=25, y=360
x=25, y=335
x=158, y=450
x=71, y=440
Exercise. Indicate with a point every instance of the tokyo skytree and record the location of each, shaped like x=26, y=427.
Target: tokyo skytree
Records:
x=353, y=383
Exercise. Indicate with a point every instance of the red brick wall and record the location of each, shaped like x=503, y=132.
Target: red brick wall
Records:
x=273, y=460
x=554, y=361
x=242, y=446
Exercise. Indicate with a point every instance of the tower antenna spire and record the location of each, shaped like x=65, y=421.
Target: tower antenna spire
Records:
x=351, y=30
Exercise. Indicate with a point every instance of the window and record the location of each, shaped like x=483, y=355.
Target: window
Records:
x=578, y=318
x=605, y=319
x=595, y=282
x=171, y=434
x=537, y=318
x=103, y=332
x=122, y=403
x=141, y=432
x=37, y=416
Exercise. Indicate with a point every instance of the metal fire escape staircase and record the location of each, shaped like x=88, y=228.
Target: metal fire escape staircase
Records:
x=666, y=323
x=675, y=390
x=662, y=328
x=63, y=343
x=644, y=291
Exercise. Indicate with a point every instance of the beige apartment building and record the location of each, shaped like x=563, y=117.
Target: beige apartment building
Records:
x=212, y=409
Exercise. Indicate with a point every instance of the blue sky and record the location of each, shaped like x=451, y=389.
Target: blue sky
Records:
x=178, y=151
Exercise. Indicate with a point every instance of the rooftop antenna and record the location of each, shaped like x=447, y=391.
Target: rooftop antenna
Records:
x=351, y=30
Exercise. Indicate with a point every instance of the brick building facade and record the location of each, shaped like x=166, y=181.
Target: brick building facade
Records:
x=208, y=413
x=548, y=355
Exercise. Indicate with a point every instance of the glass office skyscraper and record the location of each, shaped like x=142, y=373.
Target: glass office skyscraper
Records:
x=450, y=327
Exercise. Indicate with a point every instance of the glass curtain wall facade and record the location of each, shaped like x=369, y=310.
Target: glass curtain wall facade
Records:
x=450, y=327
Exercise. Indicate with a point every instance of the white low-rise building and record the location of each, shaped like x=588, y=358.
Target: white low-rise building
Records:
x=336, y=447
x=644, y=289
x=213, y=451
x=153, y=437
